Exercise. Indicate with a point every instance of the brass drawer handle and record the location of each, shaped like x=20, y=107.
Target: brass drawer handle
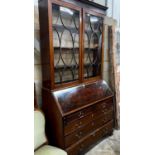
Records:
x=103, y=121
x=94, y=134
x=81, y=114
x=103, y=105
x=78, y=135
x=105, y=111
x=80, y=123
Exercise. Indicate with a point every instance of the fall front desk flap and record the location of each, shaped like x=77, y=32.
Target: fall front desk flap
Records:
x=76, y=97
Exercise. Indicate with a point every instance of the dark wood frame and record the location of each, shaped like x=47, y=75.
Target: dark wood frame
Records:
x=102, y=59
x=55, y=114
x=56, y=118
x=74, y=7
x=47, y=45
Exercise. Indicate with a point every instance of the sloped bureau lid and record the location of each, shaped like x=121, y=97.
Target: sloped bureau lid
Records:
x=76, y=97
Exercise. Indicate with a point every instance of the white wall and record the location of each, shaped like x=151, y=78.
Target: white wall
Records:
x=116, y=11
x=102, y=2
x=113, y=9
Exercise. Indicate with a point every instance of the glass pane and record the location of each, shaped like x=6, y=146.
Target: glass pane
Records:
x=92, y=45
x=66, y=43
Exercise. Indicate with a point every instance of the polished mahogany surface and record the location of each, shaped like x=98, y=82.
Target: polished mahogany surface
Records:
x=78, y=106
x=77, y=97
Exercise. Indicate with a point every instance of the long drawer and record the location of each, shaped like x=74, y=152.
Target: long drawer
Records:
x=90, y=139
x=88, y=128
x=81, y=118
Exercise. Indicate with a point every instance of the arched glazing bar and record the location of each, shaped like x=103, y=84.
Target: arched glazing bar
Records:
x=92, y=46
x=66, y=47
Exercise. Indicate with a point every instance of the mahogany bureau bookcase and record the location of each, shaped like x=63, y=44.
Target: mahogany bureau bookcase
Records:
x=78, y=104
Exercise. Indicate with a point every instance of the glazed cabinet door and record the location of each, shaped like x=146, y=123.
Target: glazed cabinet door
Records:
x=66, y=38
x=93, y=45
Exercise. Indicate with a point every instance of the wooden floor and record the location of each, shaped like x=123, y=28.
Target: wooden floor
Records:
x=109, y=146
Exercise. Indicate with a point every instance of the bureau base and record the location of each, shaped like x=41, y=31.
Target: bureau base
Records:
x=79, y=117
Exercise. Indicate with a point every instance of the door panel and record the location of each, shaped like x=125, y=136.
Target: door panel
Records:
x=93, y=27
x=66, y=43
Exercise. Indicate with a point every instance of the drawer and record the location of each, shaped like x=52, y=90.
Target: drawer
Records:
x=88, y=128
x=106, y=104
x=101, y=112
x=90, y=139
x=82, y=113
x=78, y=115
x=79, y=123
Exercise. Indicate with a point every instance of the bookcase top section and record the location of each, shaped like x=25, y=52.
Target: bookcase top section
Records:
x=82, y=95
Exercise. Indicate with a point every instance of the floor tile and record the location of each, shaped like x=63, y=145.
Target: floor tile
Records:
x=109, y=146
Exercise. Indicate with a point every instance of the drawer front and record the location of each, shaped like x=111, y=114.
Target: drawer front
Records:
x=90, y=139
x=86, y=116
x=82, y=113
x=104, y=104
x=77, y=124
x=90, y=127
x=78, y=115
x=101, y=112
